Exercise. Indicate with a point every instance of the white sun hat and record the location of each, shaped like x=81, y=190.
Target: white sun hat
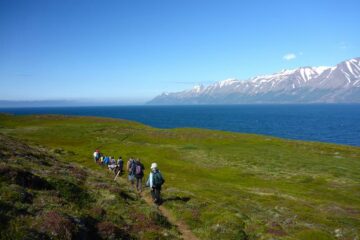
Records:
x=153, y=166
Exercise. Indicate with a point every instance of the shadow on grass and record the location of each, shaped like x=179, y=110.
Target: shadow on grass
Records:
x=23, y=178
x=176, y=198
x=126, y=196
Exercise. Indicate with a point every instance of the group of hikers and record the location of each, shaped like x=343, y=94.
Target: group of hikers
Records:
x=135, y=169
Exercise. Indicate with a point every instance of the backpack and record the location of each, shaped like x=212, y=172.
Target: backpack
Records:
x=158, y=180
x=120, y=162
x=133, y=167
x=139, y=170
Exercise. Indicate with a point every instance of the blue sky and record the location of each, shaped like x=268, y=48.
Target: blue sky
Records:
x=130, y=51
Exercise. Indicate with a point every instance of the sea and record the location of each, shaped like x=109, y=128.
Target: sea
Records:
x=332, y=123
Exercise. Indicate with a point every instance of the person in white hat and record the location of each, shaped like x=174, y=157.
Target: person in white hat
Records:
x=155, y=181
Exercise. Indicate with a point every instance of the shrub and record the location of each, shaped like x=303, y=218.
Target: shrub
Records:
x=97, y=212
x=23, y=178
x=5, y=211
x=58, y=225
x=13, y=193
x=71, y=192
x=108, y=230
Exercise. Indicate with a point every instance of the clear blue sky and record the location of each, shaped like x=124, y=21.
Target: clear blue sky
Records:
x=130, y=51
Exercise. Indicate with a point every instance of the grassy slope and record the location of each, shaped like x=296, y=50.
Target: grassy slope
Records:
x=224, y=185
x=43, y=197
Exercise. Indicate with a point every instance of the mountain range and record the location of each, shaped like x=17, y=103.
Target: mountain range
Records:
x=337, y=84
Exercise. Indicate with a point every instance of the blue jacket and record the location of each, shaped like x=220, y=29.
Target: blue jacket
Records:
x=106, y=160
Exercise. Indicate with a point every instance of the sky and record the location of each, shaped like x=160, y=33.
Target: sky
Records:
x=129, y=51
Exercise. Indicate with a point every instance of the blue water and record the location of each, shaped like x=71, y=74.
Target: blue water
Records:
x=325, y=123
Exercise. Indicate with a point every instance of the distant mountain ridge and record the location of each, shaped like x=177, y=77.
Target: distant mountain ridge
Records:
x=337, y=84
x=39, y=103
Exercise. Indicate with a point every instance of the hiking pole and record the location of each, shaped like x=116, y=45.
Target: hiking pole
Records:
x=117, y=175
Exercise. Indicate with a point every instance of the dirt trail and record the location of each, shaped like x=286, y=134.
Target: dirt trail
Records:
x=181, y=226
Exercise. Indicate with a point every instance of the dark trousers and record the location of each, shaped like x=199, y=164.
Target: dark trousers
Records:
x=155, y=194
x=139, y=183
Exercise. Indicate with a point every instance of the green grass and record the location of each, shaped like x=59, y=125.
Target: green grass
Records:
x=223, y=185
x=44, y=196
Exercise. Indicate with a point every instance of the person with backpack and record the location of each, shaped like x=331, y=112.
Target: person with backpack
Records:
x=96, y=155
x=120, y=164
x=101, y=162
x=112, y=161
x=112, y=165
x=139, y=174
x=131, y=168
x=155, y=181
x=106, y=160
x=128, y=164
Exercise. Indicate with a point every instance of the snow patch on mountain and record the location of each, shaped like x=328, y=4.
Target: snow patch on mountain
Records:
x=227, y=82
x=321, y=69
x=197, y=88
x=340, y=83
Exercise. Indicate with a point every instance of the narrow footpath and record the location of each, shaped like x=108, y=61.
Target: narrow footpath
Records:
x=181, y=226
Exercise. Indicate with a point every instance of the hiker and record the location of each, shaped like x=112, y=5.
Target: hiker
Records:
x=96, y=155
x=112, y=165
x=106, y=160
x=139, y=174
x=120, y=164
x=131, y=168
x=101, y=159
x=112, y=161
x=155, y=181
x=128, y=164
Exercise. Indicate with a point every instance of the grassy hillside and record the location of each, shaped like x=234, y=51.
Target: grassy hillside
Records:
x=223, y=185
x=42, y=197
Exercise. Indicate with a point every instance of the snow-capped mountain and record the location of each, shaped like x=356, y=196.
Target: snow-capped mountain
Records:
x=340, y=83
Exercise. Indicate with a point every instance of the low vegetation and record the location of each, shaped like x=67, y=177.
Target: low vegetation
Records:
x=223, y=185
x=43, y=197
